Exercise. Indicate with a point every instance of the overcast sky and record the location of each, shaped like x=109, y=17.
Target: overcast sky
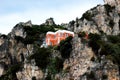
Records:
x=63, y=11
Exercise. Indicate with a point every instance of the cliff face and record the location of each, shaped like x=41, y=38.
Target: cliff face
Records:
x=14, y=49
x=79, y=58
x=112, y=2
x=101, y=18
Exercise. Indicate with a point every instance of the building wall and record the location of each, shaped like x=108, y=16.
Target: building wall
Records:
x=55, y=38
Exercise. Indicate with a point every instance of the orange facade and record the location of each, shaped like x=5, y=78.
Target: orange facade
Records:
x=54, y=38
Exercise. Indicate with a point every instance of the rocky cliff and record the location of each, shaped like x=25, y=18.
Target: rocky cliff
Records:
x=24, y=55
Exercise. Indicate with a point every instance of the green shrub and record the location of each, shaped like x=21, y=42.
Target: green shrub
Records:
x=41, y=56
x=91, y=75
x=4, y=36
x=29, y=40
x=111, y=24
x=65, y=47
x=48, y=77
x=19, y=39
x=119, y=24
x=72, y=23
x=15, y=68
x=104, y=76
x=114, y=39
x=81, y=34
x=93, y=59
x=11, y=72
x=94, y=42
x=33, y=78
x=33, y=33
x=108, y=8
x=59, y=27
x=55, y=65
x=110, y=48
x=88, y=16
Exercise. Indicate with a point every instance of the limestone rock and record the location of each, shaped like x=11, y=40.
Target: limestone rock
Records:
x=112, y=2
x=79, y=60
x=50, y=22
x=101, y=20
x=29, y=71
x=79, y=65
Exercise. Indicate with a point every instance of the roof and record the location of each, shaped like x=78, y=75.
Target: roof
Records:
x=61, y=31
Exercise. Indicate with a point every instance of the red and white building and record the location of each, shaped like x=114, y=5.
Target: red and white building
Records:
x=54, y=38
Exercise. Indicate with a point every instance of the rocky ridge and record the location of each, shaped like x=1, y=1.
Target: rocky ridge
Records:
x=17, y=49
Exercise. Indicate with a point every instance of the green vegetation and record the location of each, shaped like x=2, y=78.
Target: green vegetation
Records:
x=33, y=78
x=38, y=29
x=72, y=23
x=119, y=23
x=111, y=24
x=93, y=59
x=81, y=34
x=41, y=56
x=44, y=60
x=114, y=39
x=34, y=32
x=4, y=36
x=108, y=8
x=91, y=75
x=55, y=65
x=119, y=14
x=59, y=27
x=104, y=77
x=65, y=47
x=88, y=16
x=11, y=72
x=94, y=42
x=48, y=77
x=19, y=39
x=110, y=48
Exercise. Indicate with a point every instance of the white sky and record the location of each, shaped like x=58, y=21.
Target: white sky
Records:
x=63, y=11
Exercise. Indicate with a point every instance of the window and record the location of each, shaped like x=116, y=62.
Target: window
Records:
x=50, y=43
x=54, y=36
x=61, y=34
x=66, y=35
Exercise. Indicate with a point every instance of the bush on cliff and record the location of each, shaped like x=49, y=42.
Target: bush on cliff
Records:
x=65, y=47
x=87, y=15
x=55, y=65
x=41, y=56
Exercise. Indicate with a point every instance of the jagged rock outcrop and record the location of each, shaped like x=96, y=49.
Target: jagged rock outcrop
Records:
x=79, y=61
x=12, y=49
x=93, y=21
x=79, y=66
x=29, y=72
x=18, y=30
x=99, y=19
x=4, y=54
x=50, y=22
x=23, y=57
x=112, y=2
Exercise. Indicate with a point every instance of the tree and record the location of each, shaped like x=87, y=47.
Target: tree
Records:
x=41, y=56
x=65, y=47
x=94, y=42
